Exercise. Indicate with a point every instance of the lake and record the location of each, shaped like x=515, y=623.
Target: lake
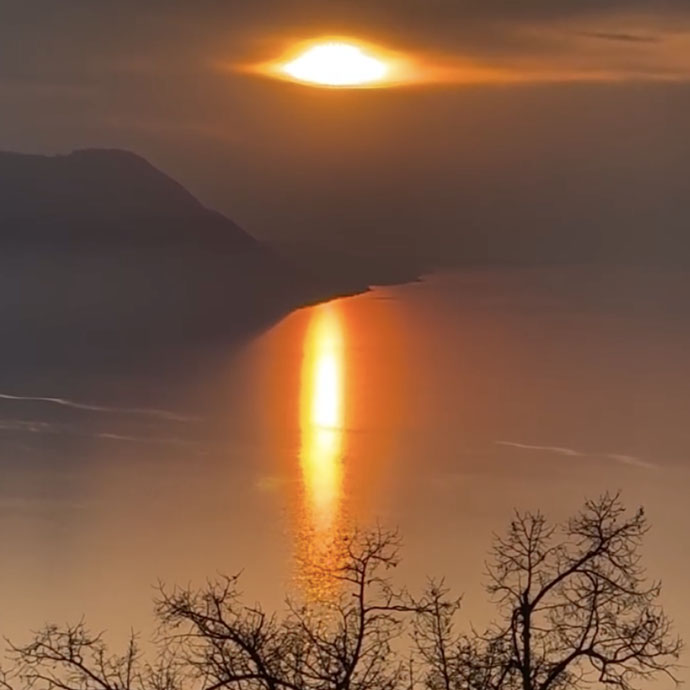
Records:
x=437, y=407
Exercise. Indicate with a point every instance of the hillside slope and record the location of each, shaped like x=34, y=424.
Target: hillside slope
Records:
x=100, y=252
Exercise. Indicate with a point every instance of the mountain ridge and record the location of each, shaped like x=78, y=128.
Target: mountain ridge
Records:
x=105, y=195
x=101, y=253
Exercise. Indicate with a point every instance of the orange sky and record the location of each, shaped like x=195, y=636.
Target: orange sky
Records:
x=569, y=114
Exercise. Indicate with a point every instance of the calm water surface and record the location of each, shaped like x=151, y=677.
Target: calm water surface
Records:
x=437, y=407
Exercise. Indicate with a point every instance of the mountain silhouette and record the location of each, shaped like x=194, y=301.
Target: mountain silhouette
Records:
x=101, y=253
x=105, y=197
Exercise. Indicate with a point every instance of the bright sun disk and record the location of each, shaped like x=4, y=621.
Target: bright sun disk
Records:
x=336, y=64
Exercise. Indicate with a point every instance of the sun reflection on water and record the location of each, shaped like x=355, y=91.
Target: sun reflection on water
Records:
x=322, y=393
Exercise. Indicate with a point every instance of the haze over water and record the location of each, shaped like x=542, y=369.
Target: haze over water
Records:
x=437, y=406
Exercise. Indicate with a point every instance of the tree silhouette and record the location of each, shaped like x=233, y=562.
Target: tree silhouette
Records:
x=72, y=658
x=344, y=643
x=574, y=605
x=209, y=639
x=574, y=608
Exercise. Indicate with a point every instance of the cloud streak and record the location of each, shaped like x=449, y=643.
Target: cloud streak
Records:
x=620, y=37
x=620, y=458
x=38, y=427
x=87, y=407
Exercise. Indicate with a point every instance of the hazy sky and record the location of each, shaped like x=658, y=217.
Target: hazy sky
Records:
x=557, y=113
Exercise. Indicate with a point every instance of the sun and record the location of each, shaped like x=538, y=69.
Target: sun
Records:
x=340, y=62
x=337, y=64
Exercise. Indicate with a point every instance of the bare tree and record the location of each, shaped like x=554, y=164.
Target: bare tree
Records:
x=71, y=658
x=575, y=608
x=344, y=643
x=452, y=660
x=435, y=637
x=209, y=639
x=5, y=680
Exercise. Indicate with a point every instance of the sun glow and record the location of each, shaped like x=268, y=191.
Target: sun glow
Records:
x=337, y=63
